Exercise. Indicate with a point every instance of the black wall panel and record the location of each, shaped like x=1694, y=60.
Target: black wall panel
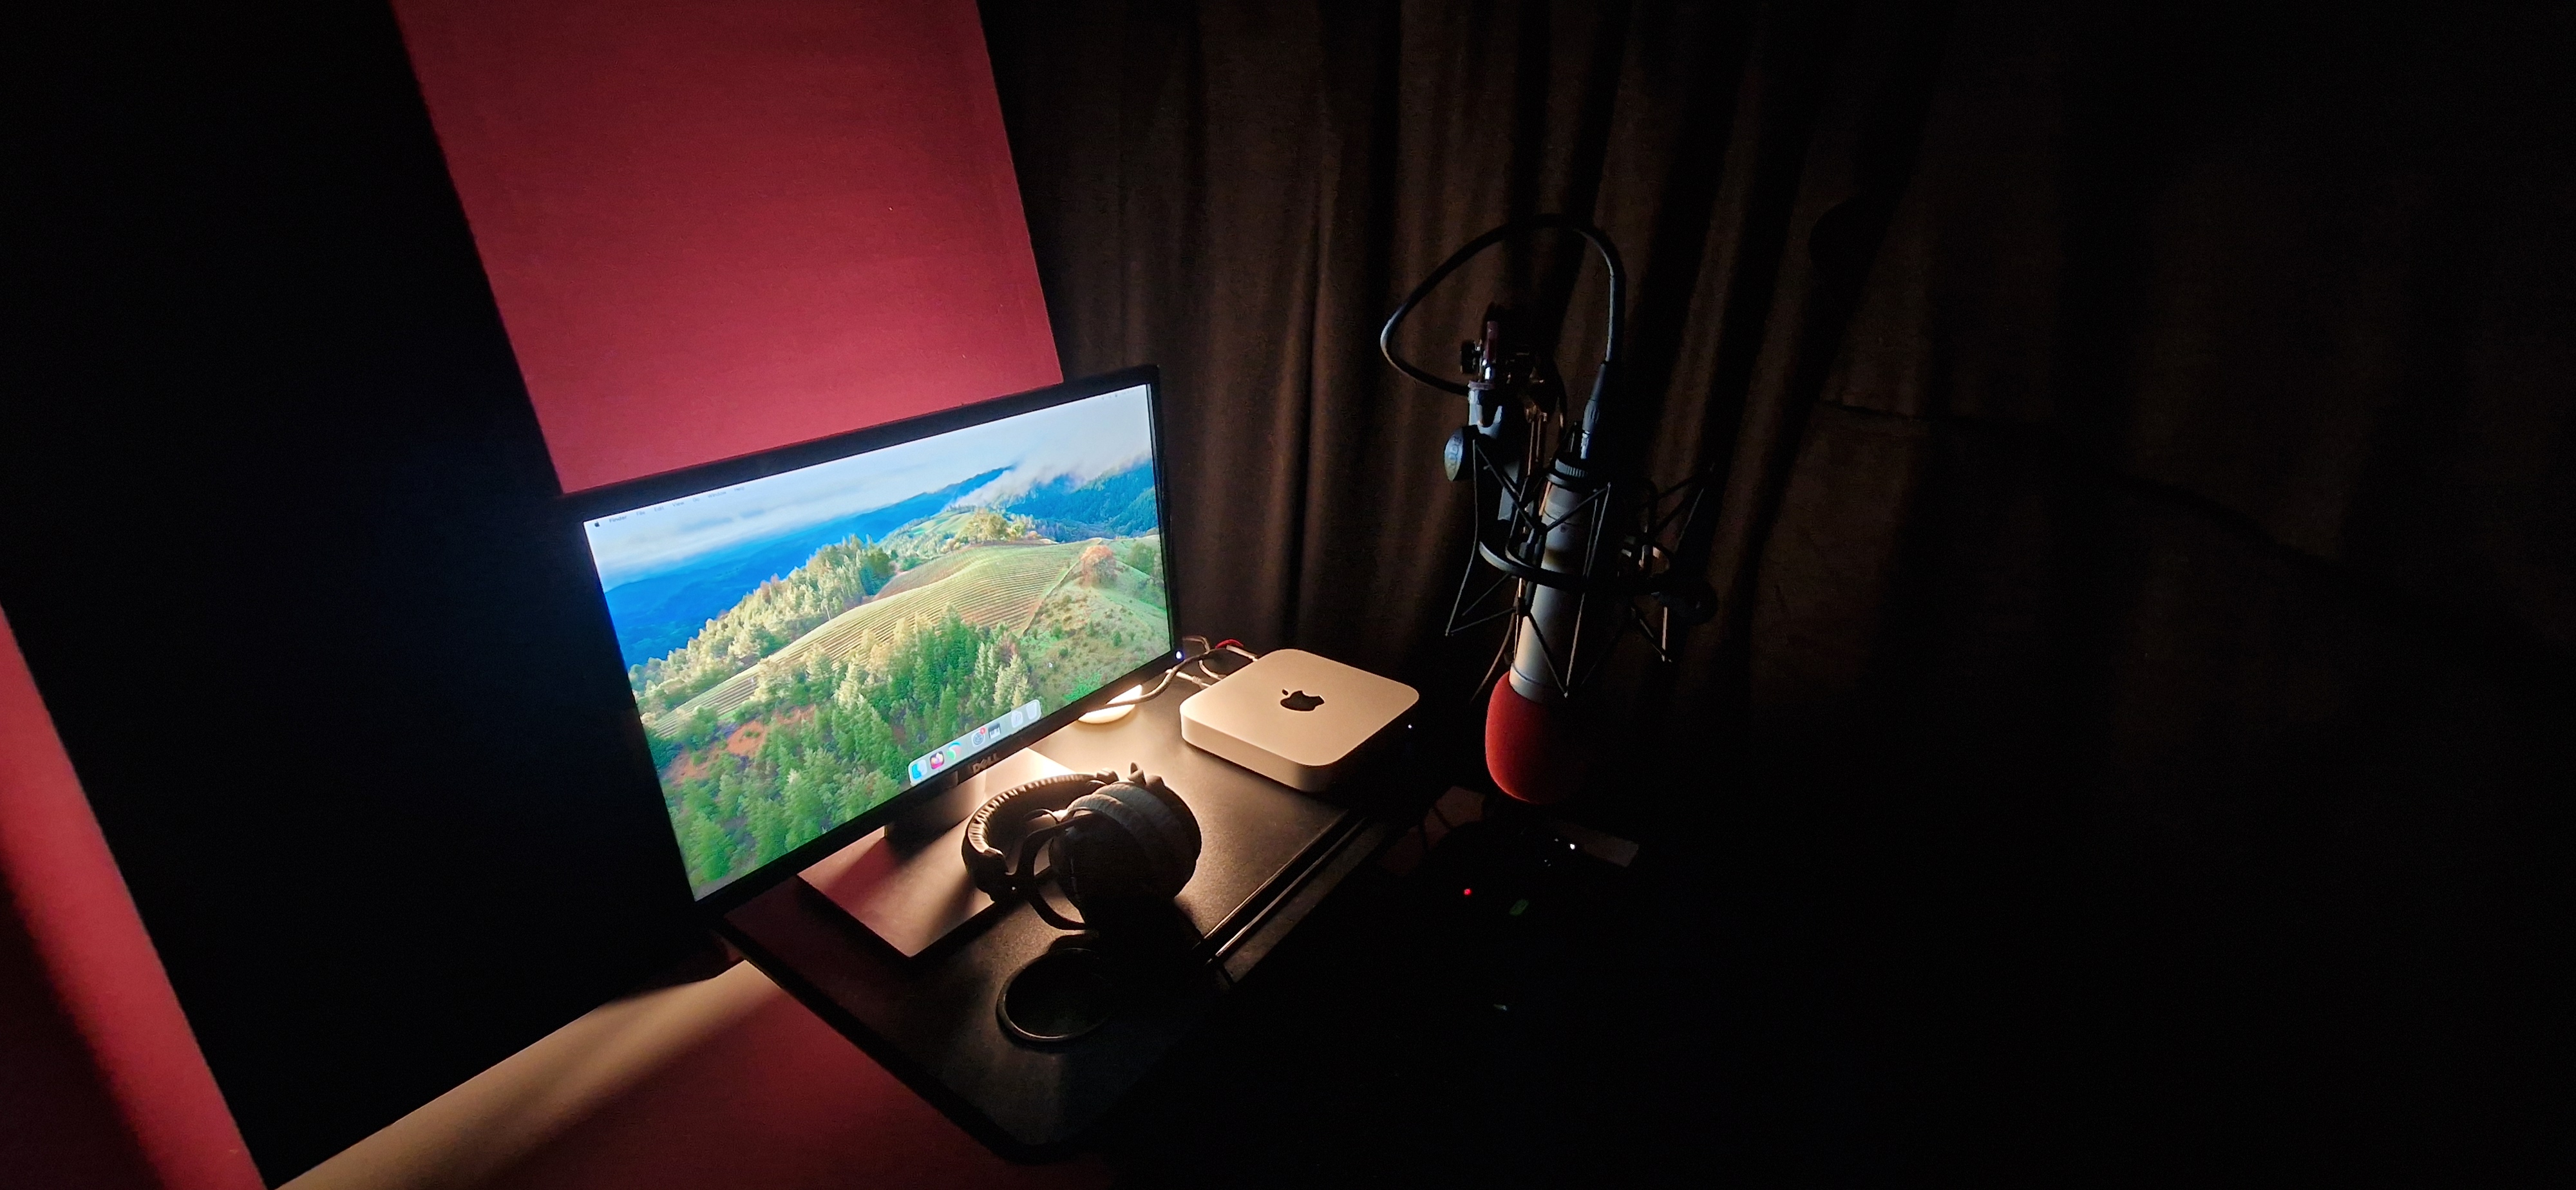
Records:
x=282, y=550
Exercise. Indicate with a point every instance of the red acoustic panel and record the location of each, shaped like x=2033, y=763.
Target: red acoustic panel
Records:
x=714, y=228
x=101, y=1081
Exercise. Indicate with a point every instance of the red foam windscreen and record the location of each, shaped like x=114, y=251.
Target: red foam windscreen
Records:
x=1533, y=750
x=718, y=228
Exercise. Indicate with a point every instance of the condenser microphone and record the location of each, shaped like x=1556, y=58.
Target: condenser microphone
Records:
x=1533, y=748
x=1551, y=488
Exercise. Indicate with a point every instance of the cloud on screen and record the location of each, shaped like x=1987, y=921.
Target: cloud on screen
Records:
x=1081, y=447
x=1082, y=439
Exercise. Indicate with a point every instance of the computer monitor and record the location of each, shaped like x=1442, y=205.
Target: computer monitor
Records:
x=821, y=637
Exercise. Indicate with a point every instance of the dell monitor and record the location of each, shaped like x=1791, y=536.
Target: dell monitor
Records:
x=821, y=637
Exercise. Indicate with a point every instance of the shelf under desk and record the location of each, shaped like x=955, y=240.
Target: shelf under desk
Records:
x=1269, y=853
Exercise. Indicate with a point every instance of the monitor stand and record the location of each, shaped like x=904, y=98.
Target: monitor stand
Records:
x=906, y=882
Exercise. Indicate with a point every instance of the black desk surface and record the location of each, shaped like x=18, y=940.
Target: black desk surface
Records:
x=1269, y=854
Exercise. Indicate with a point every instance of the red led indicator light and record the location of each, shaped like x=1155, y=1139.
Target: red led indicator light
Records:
x=1466, y=892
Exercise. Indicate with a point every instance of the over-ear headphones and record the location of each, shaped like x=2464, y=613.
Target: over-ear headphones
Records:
x=1118, y=842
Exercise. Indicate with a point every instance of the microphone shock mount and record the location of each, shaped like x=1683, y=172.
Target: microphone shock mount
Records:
x=1568, y=542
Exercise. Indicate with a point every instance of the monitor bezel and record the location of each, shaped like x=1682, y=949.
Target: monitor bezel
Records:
x=609, y=500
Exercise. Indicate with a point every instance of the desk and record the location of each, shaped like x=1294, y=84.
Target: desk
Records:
x=1270, y=854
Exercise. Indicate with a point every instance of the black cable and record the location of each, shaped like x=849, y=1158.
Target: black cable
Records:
x=1161, y=683
x=1600, y=243
x=1204, y=678
x=1208, y=676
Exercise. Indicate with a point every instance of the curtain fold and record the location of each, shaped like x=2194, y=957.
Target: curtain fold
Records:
x=2141, y=453
x=1240, y=191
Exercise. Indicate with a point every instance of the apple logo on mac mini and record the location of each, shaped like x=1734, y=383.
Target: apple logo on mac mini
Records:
x=1299, y=701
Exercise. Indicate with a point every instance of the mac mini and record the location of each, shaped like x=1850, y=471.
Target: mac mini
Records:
x=1294, y=717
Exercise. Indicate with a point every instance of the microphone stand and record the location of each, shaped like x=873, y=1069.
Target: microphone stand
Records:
x=1556, y=500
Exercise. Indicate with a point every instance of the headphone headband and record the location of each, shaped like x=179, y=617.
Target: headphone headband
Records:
x=1117, y=840
x=985, y=861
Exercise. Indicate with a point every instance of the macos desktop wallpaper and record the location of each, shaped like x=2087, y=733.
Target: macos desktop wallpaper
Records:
x=805, y=646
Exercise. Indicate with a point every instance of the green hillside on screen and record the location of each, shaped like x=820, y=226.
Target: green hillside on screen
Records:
x=805, y=703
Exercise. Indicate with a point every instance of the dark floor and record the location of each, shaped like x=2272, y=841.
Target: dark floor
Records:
x=1862, y=985
x=1413, y=1033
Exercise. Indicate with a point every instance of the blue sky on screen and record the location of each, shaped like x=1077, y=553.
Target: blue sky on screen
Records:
x=1081, y=439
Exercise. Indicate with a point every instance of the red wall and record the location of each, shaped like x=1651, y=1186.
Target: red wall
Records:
x=101, y=1081
x=711, y=228
x=716, y=228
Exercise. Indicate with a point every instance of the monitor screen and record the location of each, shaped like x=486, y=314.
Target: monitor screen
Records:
x=806, y=646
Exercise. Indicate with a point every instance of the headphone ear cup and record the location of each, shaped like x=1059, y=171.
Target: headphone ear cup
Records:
x=1102, y=862
x=1176, y=826
x=1136, y=838
x=1163, y=824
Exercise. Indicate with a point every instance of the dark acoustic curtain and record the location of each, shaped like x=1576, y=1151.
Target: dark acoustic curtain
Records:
x=2144, y=506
